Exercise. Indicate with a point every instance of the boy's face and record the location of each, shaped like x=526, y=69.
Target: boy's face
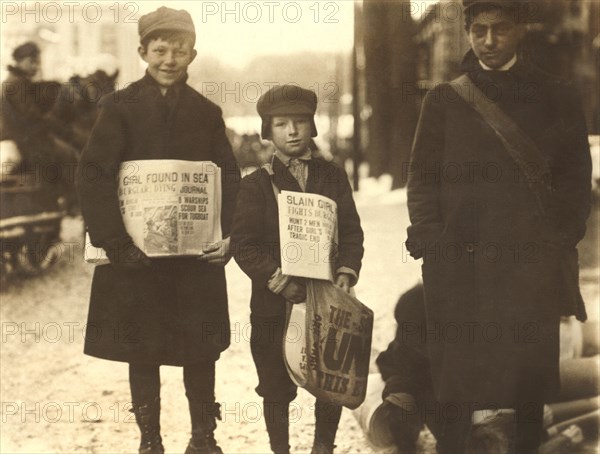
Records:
x=494, y=37
x=29, y=65
x=167, y=60
x=291, y=134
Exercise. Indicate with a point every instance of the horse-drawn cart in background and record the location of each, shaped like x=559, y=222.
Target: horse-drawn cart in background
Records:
x=30, y=215
x=43, y=127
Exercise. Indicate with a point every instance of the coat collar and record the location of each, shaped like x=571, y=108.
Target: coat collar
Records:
x=149, y=81
x=522, y=69
x=286, y=159
x=282, y=177
x=313, y=181
x=285, y=181
x=504, y=67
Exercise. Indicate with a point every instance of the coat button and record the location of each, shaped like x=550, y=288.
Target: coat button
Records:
x=470, y=248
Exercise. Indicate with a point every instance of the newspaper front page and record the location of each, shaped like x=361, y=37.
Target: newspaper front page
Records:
x=169, y=207
x=307, y=231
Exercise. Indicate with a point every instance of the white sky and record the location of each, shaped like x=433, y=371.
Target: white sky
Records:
x=236, y=31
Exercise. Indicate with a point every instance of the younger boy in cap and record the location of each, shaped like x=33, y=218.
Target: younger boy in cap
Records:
x=287, y=120
x=168, y=311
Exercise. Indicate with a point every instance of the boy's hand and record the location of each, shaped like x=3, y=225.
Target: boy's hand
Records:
x=343, y=282
x=295, y=291
x=217, y=253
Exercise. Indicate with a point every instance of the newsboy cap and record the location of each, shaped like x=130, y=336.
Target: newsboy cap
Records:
x=520, y=11
x=166, y=19
x=468, y=4
x=524, y=10
x=28, y=49
x=286, y=100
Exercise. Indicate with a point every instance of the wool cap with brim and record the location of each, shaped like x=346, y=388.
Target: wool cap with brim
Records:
x=166, y=19
x=521, y=10
x=286, y=100
x=28, y=49
x=468, y=4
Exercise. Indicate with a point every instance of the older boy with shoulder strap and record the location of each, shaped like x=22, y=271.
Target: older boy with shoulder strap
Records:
x=530, y=160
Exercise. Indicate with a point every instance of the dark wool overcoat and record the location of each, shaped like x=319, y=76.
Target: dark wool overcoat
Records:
x=255, y=231
x=498, y=268
x=175, y=312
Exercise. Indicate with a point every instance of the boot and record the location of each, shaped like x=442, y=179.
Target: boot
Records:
x=327, y=418
x=204, y=416
x=277, y=422
x=147, y=417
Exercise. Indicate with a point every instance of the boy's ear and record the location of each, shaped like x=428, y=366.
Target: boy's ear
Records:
x=193, y=55
x=142, y=53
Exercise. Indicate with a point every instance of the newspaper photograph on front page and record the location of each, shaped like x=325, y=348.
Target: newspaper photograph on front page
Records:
x=173, y=173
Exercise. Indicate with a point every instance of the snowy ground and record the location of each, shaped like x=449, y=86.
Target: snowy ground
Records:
x=57, y=400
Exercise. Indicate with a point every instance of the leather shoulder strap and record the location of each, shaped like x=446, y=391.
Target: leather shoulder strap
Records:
x=521, y=148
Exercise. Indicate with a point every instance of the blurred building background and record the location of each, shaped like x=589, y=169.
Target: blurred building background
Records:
x=563, y=39
x=407, y=54
x=75, y=38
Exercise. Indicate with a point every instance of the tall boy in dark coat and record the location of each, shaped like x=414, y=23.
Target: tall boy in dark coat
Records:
x=172, y=311
x=287, y=120
x=499, y=257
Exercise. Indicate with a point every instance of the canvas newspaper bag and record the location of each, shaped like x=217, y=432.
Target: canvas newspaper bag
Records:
x=170, y=207
x=327, y=345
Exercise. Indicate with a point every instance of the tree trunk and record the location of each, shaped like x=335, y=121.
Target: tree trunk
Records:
x=391, y=83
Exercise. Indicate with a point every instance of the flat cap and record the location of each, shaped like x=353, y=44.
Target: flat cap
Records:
x=286, y=100
x=468, y=4
x=520, y=5
x=166, y=19
x=522, y=11
x=28, y=49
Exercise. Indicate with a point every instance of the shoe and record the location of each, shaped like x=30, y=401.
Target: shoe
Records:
x=320, y=448
x=491, y=432
x=204, y=416
x=147, y=417
x=204, y=446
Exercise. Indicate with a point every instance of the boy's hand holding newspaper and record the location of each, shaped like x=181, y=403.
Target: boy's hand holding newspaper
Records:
x=343, y=281
x=295, y=291
x=218, y=253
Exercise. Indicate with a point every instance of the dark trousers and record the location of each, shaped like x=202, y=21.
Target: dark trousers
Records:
x=266, y=344
x=277, y=389
x=198, y=378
